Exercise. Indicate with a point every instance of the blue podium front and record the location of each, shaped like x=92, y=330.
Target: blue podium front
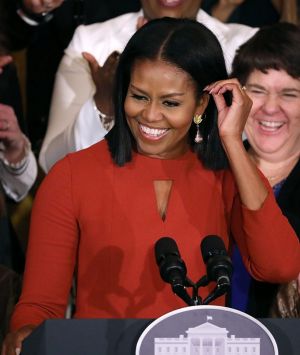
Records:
x=120, y=336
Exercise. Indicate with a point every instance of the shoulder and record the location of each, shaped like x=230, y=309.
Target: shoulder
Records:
x=91, y=157
x=225, y=30
x=112, y=34
x=86, y=160
x=230, y=35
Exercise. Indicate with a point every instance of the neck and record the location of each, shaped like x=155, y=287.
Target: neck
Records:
x=275, y=170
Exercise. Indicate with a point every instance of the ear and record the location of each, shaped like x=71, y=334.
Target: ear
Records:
x=202, y=104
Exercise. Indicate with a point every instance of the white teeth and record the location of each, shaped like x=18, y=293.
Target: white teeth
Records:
x=155, y=132
x=271, y=124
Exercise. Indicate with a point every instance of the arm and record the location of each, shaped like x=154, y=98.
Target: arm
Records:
x=51, y=256
x=19, y=168
x=72, y=88
x=83, y=132
x=269, y=245
x=231, y=122
x=79, y=79
x=18, y=181
x=287, y=10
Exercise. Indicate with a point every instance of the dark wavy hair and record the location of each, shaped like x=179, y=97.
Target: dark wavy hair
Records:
x=272, y=47
x=194, y=49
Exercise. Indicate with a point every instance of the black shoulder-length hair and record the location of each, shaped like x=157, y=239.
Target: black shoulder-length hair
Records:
x=194, y=49
x=272, y=47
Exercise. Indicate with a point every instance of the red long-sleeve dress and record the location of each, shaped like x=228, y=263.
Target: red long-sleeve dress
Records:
x=101, y=221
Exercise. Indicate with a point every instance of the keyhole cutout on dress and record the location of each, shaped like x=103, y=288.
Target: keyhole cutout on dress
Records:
x=162, y=190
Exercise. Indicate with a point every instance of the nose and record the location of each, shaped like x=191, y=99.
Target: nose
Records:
x=271, y=103
x=152, y=112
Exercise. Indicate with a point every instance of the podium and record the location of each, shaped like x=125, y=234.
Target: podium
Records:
x=119, y=336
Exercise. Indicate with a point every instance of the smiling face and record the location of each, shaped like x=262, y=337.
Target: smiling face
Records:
x=159, y=107
x=273, y=126
x=170, y=8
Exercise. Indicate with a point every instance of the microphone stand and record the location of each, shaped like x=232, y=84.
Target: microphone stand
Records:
x=180, y=290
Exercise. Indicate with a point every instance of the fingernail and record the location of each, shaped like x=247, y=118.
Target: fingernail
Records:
x=18, y=351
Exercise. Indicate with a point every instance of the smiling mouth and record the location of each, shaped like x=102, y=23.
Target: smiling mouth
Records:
x=271, y=126
x=171, y=3
x=155, y=133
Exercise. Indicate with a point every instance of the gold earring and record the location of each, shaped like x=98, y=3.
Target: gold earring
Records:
x=197, y=120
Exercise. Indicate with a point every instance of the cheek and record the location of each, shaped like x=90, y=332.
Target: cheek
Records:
x=293, y=113
x=133, y=108
x=256, y=105
x=127, y=107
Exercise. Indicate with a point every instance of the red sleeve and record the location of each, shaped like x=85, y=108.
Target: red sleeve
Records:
x=51, y=253
x=268, y=244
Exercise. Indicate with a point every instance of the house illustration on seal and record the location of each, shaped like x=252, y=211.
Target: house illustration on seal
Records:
x=207, y=339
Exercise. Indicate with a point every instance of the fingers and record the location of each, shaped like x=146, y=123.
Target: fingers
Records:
x=141, y=22
x=110, y=65
x=92, y=62
x=111, y=61
x=103, y=78
x=10, y=131
x=13, y=342
x=219, y=88
x=4, y=60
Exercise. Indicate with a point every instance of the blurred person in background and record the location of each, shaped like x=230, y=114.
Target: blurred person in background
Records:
x=18, y=170
x=18, y=167
x=268, y=65
x=255, y=13
x=45, y=28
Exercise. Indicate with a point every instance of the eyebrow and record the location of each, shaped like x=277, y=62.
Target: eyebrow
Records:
x=257, y=86
x=163, y=96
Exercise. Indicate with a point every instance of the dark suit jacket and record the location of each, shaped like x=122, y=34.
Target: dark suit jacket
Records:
x=262, y=294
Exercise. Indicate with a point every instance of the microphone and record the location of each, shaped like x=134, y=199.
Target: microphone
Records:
x=218, y=264
x=171, y=267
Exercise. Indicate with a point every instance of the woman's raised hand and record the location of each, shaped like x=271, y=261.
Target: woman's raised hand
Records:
x=232, y=117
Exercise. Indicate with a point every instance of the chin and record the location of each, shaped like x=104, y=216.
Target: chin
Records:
x=268, y=147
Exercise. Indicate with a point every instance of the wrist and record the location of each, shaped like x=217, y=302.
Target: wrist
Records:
x=106, y=120
x=17, y=164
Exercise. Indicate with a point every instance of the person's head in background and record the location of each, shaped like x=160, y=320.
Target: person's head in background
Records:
x=166, y=8
x=255, y=13
x=167, y=63
x=269, y=66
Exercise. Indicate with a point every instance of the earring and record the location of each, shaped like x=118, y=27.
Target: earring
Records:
x=197, y=120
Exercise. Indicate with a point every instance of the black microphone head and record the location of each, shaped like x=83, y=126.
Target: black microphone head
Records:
x=212, y=245
x=172, y=268
x=165, y=246
x=218, y=263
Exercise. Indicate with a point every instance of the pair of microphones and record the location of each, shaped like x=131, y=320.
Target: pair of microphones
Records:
x=173, y=270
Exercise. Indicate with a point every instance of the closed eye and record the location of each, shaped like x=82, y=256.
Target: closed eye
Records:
x=171, y=103
x=257, y=92
x=139, y=97
x=290, y=95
